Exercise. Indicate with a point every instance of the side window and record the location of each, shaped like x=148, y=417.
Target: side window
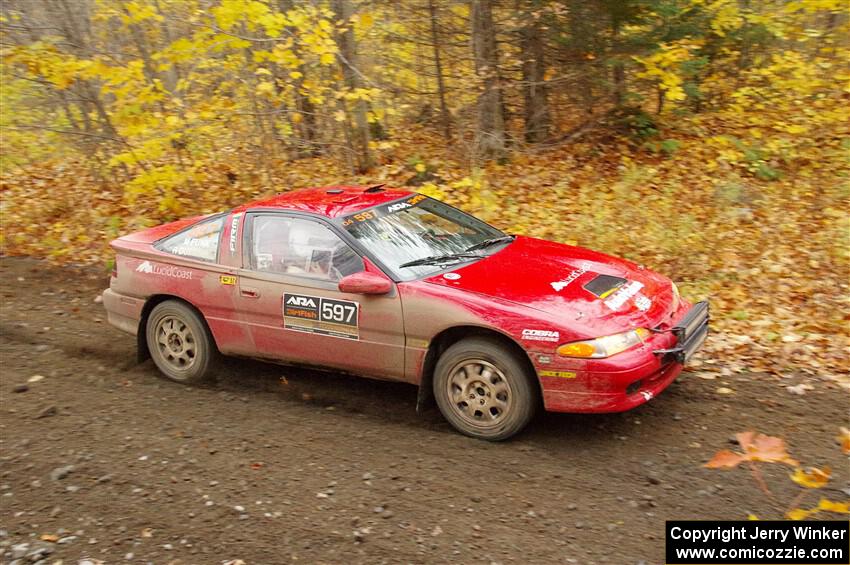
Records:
x=300, y=247
x=197, y=242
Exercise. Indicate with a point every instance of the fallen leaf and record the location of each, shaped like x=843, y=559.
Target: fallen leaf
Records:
x=756, y=447
x=724, y=459
x=798, y=514
x=52, y=538
x=725, y=390
x=767, y=449
x=844, y=439
x=837, y=507
x=814, y=478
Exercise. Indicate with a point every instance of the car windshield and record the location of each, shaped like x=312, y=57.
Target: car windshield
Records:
x=419, y=236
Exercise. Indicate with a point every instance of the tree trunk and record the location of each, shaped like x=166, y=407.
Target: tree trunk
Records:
x=538, y=122
x=359, y=139
x=618, y=69
x=307, y=128
x=490, y=134
x=445, y=119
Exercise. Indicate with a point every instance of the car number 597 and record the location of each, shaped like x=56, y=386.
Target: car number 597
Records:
x=340, y=313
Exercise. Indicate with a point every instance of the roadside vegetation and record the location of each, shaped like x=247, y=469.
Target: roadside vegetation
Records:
x=709, y=140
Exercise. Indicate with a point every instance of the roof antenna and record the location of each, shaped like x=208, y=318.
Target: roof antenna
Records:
x=375, y=188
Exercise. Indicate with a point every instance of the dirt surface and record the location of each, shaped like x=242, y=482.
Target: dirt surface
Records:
x=278, y=465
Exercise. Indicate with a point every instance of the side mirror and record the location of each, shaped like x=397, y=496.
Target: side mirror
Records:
x=365, y=282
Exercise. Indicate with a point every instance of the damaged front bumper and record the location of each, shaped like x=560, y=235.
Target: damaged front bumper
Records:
x=690, y=333
x=628, y=379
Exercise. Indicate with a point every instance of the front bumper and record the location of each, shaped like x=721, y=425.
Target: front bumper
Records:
x=628, y=379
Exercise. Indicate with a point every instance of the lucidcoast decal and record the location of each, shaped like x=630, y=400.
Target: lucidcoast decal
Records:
x=324, y=316
x=558, y=286
x=163, y=270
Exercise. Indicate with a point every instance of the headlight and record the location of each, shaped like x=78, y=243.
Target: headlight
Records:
x=604, y=346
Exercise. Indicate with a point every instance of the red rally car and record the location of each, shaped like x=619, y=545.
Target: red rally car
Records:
x=395, y=285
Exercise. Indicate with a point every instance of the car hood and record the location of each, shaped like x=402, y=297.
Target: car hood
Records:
x=572, y=286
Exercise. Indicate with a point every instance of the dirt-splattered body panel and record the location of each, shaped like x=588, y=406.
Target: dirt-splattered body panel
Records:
x=535, y=295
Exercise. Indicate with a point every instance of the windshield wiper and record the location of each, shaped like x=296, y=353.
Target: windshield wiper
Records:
x=435, y=259
x=491, y=241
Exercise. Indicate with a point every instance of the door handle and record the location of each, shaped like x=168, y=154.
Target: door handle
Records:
x=249, y=292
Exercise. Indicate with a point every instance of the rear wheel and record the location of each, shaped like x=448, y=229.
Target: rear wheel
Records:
x=179, y=343
x=484, y=390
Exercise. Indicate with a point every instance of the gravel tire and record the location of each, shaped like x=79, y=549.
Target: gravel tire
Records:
x=180, y=343
x=484, y=390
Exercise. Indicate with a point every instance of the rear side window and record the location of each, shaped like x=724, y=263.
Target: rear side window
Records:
x=198, y=242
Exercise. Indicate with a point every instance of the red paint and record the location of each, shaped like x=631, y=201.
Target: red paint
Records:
x=328, y=201
x=365, y=283
x=531, y=292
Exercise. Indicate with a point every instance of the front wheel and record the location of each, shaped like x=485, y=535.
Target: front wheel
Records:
x=484, y=390
x=179, y=343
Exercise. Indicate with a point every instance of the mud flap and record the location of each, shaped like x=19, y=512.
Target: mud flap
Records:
x=424, y=397
x=142, y=351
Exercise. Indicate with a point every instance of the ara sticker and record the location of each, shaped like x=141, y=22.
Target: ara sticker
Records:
x=558, y=374
x=451, y=276
x=380, y=211
x=318, y=315
x=562, y=284
x=540, y=335
x=227, y=279
x=397, y=206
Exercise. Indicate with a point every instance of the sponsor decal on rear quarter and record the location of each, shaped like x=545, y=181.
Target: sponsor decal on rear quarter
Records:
x=164, y=270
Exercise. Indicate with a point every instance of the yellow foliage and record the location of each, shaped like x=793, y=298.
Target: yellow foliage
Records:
x=813, y=478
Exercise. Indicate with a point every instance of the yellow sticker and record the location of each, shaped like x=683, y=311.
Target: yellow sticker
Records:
x=608, y=293
x=227, y=279
x=559, y=374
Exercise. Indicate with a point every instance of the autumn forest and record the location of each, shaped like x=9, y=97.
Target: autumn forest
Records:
x=708, y=139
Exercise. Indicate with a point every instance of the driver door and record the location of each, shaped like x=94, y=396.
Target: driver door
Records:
x=290, y=299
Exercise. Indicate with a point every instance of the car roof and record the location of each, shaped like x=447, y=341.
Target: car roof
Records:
x=329, y=201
